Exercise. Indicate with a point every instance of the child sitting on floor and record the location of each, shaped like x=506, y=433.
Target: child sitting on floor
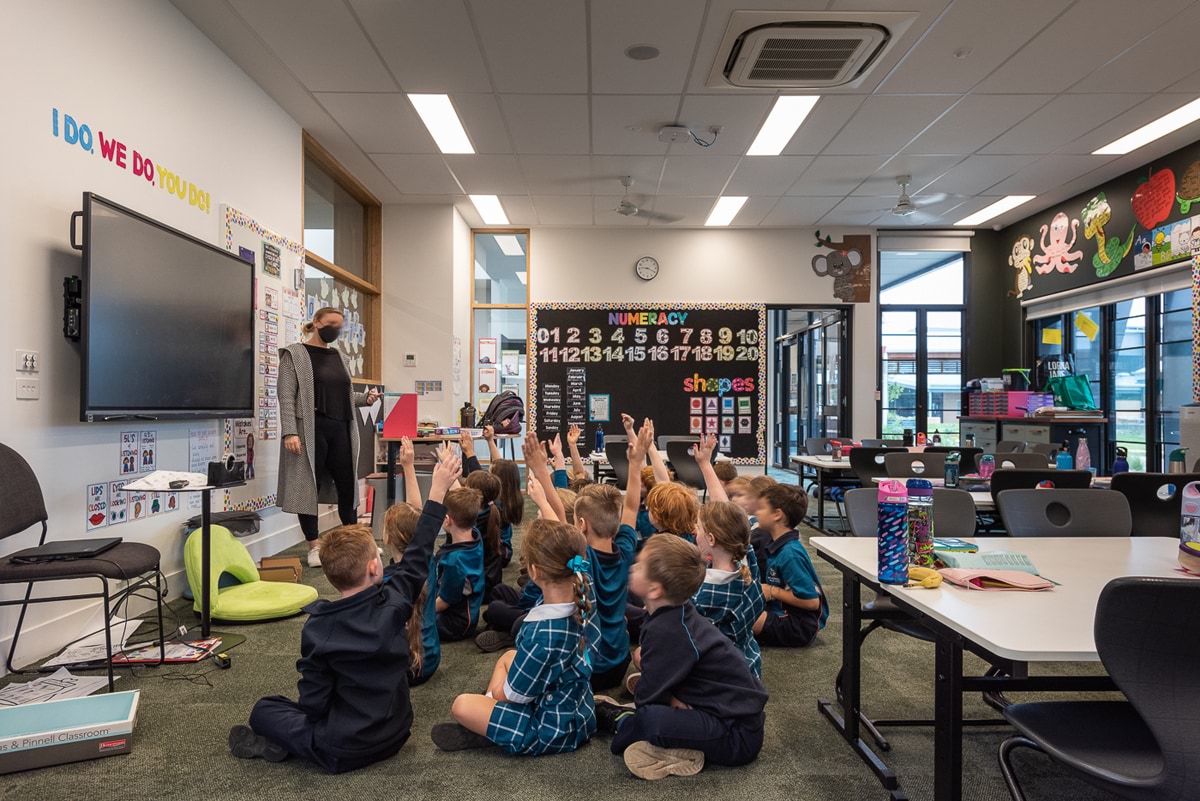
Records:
x=796, y=605
x=539, y=700
x=460, y=566
x=697, y=700
x=345, y=725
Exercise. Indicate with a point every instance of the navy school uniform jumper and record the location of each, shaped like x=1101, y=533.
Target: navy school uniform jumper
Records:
x=460, y=584
x=610, y=583
x=684, y=656
x=733, y=605
x=789, y=567
x=353, y=706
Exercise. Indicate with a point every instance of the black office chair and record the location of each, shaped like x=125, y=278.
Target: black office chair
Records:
x=1155, y=500
x=1019, y=461
x=1011, y=478
x=684, y=463
x=915, y=465
x=1147, y=747
x=663, y=440
x=137, y=564
x=868, y=463
x=1010, y=446
x=1048, y=449
x=618, y=460
x=1065, y=513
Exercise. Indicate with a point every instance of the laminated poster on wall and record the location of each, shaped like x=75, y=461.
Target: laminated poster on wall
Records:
x=489, y=380
x=129, y=453
x=139, y=505
x=148, y=446
x=97, y=506
x=118, y=503
x=203, y=447
x=157, y=503
x=487, y=350
x=271, y=260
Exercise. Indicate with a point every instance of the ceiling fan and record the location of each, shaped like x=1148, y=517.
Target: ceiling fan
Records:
x=627, y=208
x=905, y=205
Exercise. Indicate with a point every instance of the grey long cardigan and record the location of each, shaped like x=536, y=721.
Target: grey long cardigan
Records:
x=298, y=492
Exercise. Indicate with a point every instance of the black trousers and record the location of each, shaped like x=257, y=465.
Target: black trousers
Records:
x=723, y=742
x=796, y=629
x=502, y=613
x=282, y=721
x=334, y=458
x=611, y=677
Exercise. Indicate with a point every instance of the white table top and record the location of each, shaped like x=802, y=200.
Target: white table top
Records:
x=822, y=462
x=602, y=458
x=1051, y=626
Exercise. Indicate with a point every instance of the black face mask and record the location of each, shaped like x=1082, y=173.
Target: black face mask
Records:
x=329, y=333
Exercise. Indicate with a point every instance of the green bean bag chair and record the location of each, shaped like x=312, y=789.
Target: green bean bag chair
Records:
x=251, y=601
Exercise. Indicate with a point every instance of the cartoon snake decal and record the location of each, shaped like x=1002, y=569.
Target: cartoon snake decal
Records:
x=1109, y=252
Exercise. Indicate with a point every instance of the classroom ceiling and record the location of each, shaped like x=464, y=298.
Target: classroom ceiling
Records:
x=976, y=99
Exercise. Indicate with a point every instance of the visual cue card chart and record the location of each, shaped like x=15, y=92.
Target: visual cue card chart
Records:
x=694, y=368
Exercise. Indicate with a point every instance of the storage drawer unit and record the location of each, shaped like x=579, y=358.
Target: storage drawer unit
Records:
x=1026, y=432
x=984, y=431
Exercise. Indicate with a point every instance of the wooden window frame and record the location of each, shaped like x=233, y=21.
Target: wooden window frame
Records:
x=370, y=284
x=475, y=305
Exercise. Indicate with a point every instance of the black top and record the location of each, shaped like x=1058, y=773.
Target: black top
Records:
x=354, y=655
x=686, y=657
x=331, y=382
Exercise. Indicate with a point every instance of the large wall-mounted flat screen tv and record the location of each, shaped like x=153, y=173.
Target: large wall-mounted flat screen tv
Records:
x=167, y=321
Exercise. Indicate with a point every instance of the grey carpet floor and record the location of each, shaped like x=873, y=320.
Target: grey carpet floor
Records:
x=180, y=739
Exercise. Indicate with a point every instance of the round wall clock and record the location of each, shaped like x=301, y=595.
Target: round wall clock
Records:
x=646, y=268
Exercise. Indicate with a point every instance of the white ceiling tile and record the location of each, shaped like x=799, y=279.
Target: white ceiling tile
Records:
x=1063, y=119
x=923, y=170
x=1186, y=85
x=939, y=212
x=827, y=118
x=739, y=117
x=992, y=35
x=1143, y=67
x=614, y=115
x=766, y=175
x=799, y=210
x=480, y=115
x=519, y=209
x=1078, y=43
x=534, y=45
x=857, y=211
x=487, y=175
x=886, y=123
x=696, y=175
x=320, y=42
x=430, y=47
x=670, y=25
x=564, y=209
x=417, y=174
x=977, y=173
x=974, y=121
x=379, y=123
x=558, y=175
x=1048, y=173
x=605, y=206
x=1149, y=110
x=836, y=175
x=429, y=200
x=547, y=124
x=689, y=210
x=758, y=207
x=607, y=172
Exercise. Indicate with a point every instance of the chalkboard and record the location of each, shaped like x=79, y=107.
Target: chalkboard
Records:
x=692, y=367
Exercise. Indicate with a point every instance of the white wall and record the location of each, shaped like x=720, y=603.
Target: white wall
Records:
x=702, y=266
x=142, y=73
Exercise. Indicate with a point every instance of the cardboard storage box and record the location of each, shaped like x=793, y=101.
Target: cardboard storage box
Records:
x=280, y=568
x=69, y=730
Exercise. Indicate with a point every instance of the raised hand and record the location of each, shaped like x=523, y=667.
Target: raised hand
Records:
x=703, y=450
x=407, y=455
x=466, y=443
x=573, y=435
x=445, y=473
x=535, y=452
x=489, y=433
x=627, y=424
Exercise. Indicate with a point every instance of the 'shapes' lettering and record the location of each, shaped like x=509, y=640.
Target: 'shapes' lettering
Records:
x=117, y=153
x=720, y=386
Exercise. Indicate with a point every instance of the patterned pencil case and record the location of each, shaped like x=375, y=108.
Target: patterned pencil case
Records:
x=994, y=580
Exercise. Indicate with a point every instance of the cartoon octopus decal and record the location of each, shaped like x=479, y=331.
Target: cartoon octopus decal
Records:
x=1058, y=254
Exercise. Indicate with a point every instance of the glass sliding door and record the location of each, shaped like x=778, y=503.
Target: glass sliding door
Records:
x=943, y=374
x=809, y=365
x=1174, y=384
x=1127, y=377
x=898, y=355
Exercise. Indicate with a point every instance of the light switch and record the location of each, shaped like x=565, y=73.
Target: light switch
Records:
x=29, y=389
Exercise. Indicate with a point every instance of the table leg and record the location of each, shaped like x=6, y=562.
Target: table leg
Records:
x=948, y=726
x=205, y=561
x=821, y=500
x=393, y=449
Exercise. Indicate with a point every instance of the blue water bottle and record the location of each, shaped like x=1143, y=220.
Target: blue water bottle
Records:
x=599, y=439
x=1063, y=460
x=892, y=532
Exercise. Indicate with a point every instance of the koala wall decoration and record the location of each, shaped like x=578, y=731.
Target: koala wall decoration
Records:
x=849, y=263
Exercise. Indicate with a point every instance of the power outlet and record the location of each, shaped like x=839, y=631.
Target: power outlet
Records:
x=29, y=389
x=28, y=361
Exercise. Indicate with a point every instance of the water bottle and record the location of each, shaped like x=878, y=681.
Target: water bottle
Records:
x=987, y=465
x=1189, y=522
x=1121, y=463
x=952, y=467
x=893, y=532
x=1062, y=459
x=599, y=439
x=920, y=437
x=937, y=437
x=970, y=440
x=1083, y=457
x=907, y=438
x=920, y=522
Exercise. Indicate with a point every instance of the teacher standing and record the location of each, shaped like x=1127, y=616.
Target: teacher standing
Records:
x=320, y=438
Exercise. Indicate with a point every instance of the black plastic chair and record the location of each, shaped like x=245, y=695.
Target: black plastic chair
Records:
x=882, y=443
x=1010, y=446
x=1019, y=461
x=1147, y=747
x=1155, y=499
x=915, y=465
x=663, y=440
x=684, y=463
x=966, y=454
x=618, y=460
x=1048, y=449
x=1065, y=513
x=21, y=507
x=868, y=463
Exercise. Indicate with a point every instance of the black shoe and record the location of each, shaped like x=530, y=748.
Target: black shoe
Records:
x=453, y=737
x=609, y=713
x=522, y=580
x=245, y=744
x=491, y=641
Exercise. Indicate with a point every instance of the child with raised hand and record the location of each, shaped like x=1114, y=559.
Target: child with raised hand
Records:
x=488, y=527
x=578, y=471
x=509, y=605
x=511, y=502
x=697, y=700
x=344, y=725
x=489, y=435
x=460, y=567
x=539, y=700
x=796, y=606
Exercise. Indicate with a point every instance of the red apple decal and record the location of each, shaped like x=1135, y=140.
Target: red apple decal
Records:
x=1153, y=198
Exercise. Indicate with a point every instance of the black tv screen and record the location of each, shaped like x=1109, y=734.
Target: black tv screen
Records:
x=167, y=321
